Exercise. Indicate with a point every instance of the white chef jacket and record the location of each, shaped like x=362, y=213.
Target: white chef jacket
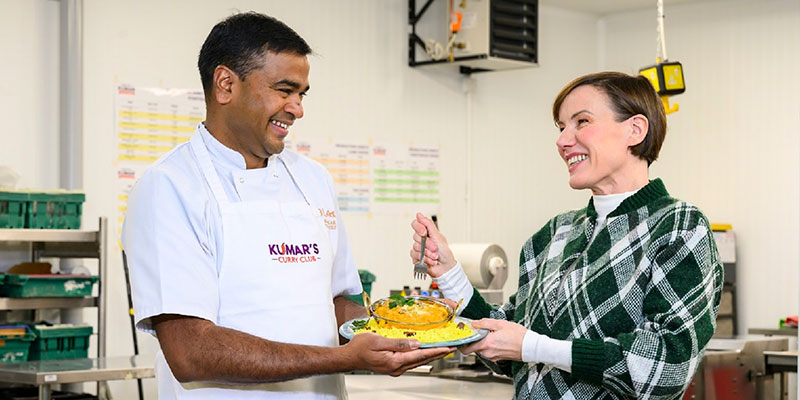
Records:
x=173, y=231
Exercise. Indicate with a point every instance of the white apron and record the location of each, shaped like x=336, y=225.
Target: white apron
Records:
x=274, y=282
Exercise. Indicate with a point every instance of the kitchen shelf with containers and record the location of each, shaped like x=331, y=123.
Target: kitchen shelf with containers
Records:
x=42, y=354
x=31, y=286
x=52, y=231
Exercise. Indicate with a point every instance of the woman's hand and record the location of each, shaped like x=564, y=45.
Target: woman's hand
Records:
x=438, y=256
x=504, y=341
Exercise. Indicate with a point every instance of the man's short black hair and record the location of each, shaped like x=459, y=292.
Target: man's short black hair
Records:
x=239, y=41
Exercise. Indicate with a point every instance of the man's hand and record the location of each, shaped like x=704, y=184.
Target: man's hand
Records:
x=197, y=350
x=437, y=253
x=390, y=356
x=504, y=341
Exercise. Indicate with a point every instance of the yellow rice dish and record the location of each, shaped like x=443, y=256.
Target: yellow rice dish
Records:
x=451, y=331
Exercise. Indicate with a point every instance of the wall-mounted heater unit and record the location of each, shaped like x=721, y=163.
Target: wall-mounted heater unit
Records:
x=473, y=35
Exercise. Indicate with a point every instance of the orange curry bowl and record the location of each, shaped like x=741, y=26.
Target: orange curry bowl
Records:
x=411, y=312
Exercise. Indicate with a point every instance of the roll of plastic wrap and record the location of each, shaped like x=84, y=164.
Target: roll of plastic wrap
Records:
x=482, y=262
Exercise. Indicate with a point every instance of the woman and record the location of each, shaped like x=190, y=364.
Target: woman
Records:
x=617, y=299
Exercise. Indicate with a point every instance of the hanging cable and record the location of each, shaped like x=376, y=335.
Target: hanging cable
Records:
x=661, y=43
x=666, y=76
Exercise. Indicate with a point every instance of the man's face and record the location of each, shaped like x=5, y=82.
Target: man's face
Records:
x=267, y=102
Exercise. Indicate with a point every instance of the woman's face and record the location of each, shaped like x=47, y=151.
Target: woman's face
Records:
x=595, y=147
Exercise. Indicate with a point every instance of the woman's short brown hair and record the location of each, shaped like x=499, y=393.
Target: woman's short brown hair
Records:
x=628, y=96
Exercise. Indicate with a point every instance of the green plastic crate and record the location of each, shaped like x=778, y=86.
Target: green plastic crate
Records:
x=55, y=210
x=13, y=209
x=57, y=342
x=16, y=348
x=366, y=283
x=13, y=285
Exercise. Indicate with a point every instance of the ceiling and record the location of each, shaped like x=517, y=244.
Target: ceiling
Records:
x=601, y=7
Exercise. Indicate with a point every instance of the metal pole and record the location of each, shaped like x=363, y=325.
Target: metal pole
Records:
x=71, y=108
x=103, y=293
x=132, y=319
x=71, y=129
x=102, y=310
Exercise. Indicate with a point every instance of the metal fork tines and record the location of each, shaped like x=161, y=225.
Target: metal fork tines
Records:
x=420, y=269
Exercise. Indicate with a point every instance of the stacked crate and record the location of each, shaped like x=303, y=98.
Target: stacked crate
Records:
x=58, y=209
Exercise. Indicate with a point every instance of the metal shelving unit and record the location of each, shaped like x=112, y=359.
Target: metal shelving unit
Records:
x=65, y=243
x=47, y=303
x=62, y=243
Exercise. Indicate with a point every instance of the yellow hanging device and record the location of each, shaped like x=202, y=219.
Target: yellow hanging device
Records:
x=666, y=76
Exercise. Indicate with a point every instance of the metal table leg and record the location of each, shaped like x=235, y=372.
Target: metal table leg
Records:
x=44, y=391
x=782, y=377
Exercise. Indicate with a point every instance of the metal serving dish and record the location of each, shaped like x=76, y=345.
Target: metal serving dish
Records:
x=379, y=310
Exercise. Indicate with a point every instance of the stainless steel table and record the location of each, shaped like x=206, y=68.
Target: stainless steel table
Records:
x=781, y=362
x=773, y=332
x=417, y=387
x=49, y=372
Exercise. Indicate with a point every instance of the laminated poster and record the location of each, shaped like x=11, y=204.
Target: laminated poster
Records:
x=149, y=122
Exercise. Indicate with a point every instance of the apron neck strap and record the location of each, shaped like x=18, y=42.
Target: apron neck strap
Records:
x=294, y=179
x=204, y=160
x=198, y=146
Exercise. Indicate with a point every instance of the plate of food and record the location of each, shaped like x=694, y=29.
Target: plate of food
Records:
x=428, y=320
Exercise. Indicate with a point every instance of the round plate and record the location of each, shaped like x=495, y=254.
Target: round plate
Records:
x=346, y=330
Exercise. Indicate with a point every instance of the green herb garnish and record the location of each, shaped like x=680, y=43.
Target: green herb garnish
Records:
x=399, y=300
x=360, y=324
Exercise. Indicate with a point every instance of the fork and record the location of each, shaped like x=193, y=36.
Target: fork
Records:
x=420, y=269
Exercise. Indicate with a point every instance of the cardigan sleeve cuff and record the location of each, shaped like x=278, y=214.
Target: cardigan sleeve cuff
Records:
x=537, y=348
x=455, y=285
x=588, y=360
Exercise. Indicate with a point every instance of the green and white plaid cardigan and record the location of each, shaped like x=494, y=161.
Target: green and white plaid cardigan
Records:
x=639, y=302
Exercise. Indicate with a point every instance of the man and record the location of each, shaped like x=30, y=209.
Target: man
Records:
x=233, y=266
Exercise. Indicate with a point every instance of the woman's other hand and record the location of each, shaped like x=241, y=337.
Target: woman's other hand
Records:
x=504, y=341
x=438, y=256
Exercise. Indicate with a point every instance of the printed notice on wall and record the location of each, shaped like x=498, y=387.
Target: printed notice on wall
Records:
x=405, y=178
x=149, y=122
x=348, y=164
x=378, y=178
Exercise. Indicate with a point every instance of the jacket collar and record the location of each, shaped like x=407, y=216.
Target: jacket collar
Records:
x=653, y=190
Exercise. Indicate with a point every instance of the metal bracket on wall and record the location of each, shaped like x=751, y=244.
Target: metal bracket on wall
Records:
x=414, y=40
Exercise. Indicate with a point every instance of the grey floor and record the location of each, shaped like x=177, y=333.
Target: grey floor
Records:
x=410, y=387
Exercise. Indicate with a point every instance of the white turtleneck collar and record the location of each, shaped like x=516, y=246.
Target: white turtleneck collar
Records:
x=604, y=204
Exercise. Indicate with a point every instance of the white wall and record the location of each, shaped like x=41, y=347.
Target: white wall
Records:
x=29, y=90
x=363, y=89
x=732, y=149
x=519, y=181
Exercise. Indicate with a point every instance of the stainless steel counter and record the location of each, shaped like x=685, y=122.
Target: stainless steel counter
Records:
x=411, y=387
x=77, y=370
x=49, y=372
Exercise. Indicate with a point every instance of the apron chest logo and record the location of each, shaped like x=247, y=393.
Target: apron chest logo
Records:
x=294, y=253
x=329, y=217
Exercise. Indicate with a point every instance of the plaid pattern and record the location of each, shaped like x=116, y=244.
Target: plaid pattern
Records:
x=639, y=302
